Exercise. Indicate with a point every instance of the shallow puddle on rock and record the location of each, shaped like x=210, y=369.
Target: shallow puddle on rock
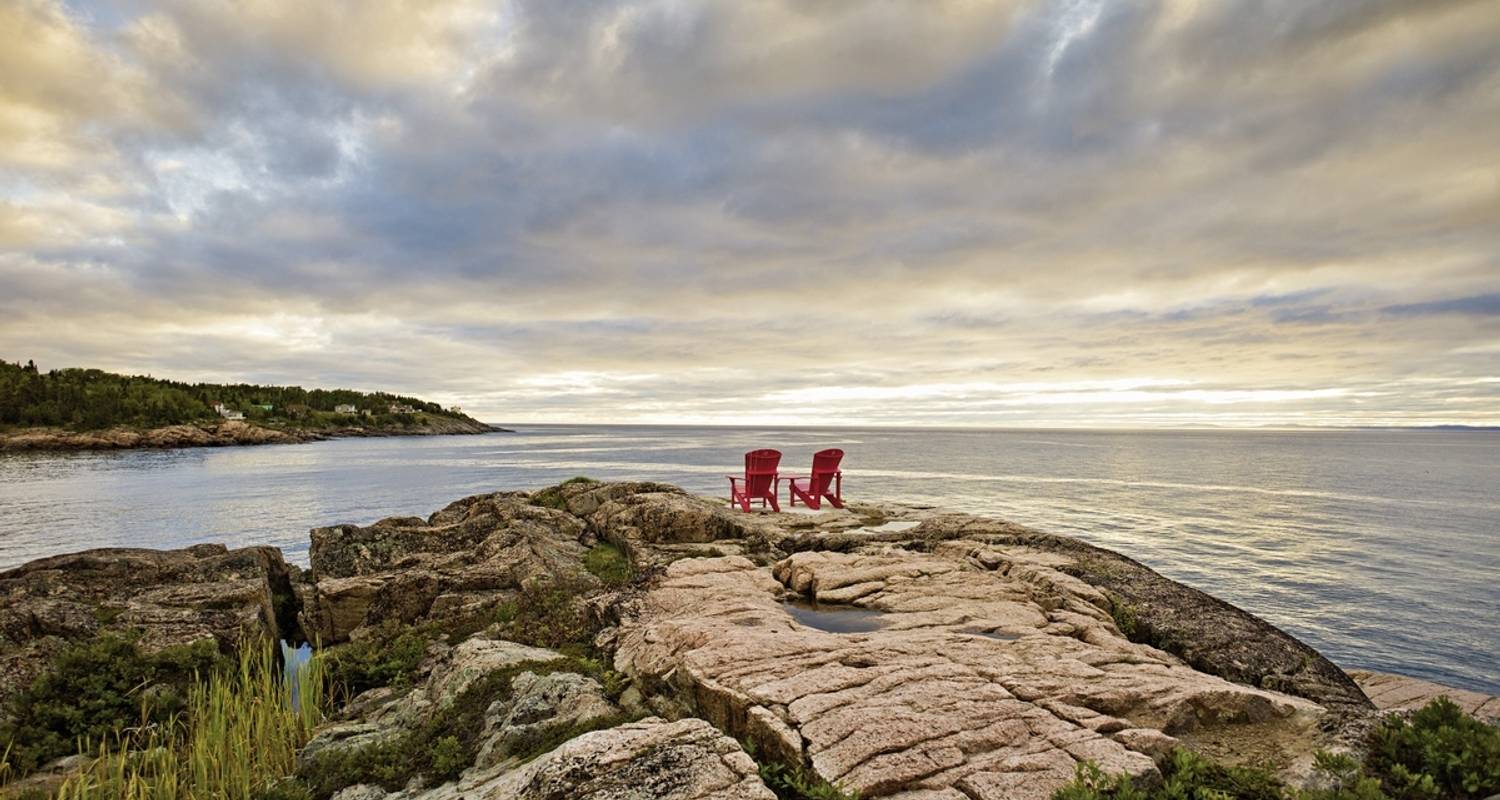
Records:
x=833, y=617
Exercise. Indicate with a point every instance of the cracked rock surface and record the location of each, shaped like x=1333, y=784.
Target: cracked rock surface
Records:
x=974, y=685
x=683, y=760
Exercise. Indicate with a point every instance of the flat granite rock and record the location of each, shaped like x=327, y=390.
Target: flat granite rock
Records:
x=1401, y=693
x=971, y=683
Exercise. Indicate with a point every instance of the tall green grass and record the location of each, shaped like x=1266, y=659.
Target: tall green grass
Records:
x=238, y=736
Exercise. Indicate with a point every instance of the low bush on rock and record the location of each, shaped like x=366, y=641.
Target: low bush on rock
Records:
x=1185, y=776
x=547, y=615
x=790, y=782
x=609, y=564
x=447, y=743
x=92, y=689
x=1441, y=753
x=387, y=658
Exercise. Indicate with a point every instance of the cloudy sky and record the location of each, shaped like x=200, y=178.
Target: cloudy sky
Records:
x=887, y=212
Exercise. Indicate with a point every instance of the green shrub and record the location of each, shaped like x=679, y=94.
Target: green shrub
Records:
x=388, y=658
x=789, y=782
x=92, y=689
x=547, y=615
x=796, y=783
x=1185, y=776
x=609, y=564
x=1124, y=615
x=448, y=757
x=1342, y=778
x=1441, y=752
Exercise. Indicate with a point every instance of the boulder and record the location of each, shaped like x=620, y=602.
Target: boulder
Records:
x=541, y=703
x=538, y=703
x=171, y=597
x=682, y=760
x=460, y=562
x=948, y=677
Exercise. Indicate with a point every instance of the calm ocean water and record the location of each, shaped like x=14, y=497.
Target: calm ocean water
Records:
x=1380, y=548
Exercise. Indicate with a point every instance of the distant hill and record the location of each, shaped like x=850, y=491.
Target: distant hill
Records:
x=92, y=400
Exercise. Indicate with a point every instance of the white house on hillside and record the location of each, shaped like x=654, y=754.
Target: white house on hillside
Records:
x=226, y=412
x=345, y=408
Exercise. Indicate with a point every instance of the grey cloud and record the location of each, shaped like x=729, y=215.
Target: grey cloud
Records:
x=692, y=206
x=1482, y=305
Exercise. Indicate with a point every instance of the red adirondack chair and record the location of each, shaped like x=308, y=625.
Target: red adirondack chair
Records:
x=813, y=488
x=760, y=480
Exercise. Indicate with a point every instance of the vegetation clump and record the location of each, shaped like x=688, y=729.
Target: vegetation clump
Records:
x=1441, y=753
x=1185, y=776
x=1124, y=615
x=609, y=564
x=387, y=658
x=235, y=735
x=795, y=782
x=547, y=614
x=552, y=496
x=92, y=689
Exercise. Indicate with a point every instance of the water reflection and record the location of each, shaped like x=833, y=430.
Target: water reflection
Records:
x=833, y=617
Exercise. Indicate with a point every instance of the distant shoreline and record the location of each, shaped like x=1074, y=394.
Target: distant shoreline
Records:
x=223, y=434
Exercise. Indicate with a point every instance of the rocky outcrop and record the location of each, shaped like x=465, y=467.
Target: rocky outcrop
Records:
x=222, y=434
x=202, y=435
x=972, y=684
x=653, y=758
x=461, y=562
x=656, y=522
x=170, y=597
x=902, y=652
x=1401, y=693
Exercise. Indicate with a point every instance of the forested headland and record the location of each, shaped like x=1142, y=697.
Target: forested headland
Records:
x=91, y=399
